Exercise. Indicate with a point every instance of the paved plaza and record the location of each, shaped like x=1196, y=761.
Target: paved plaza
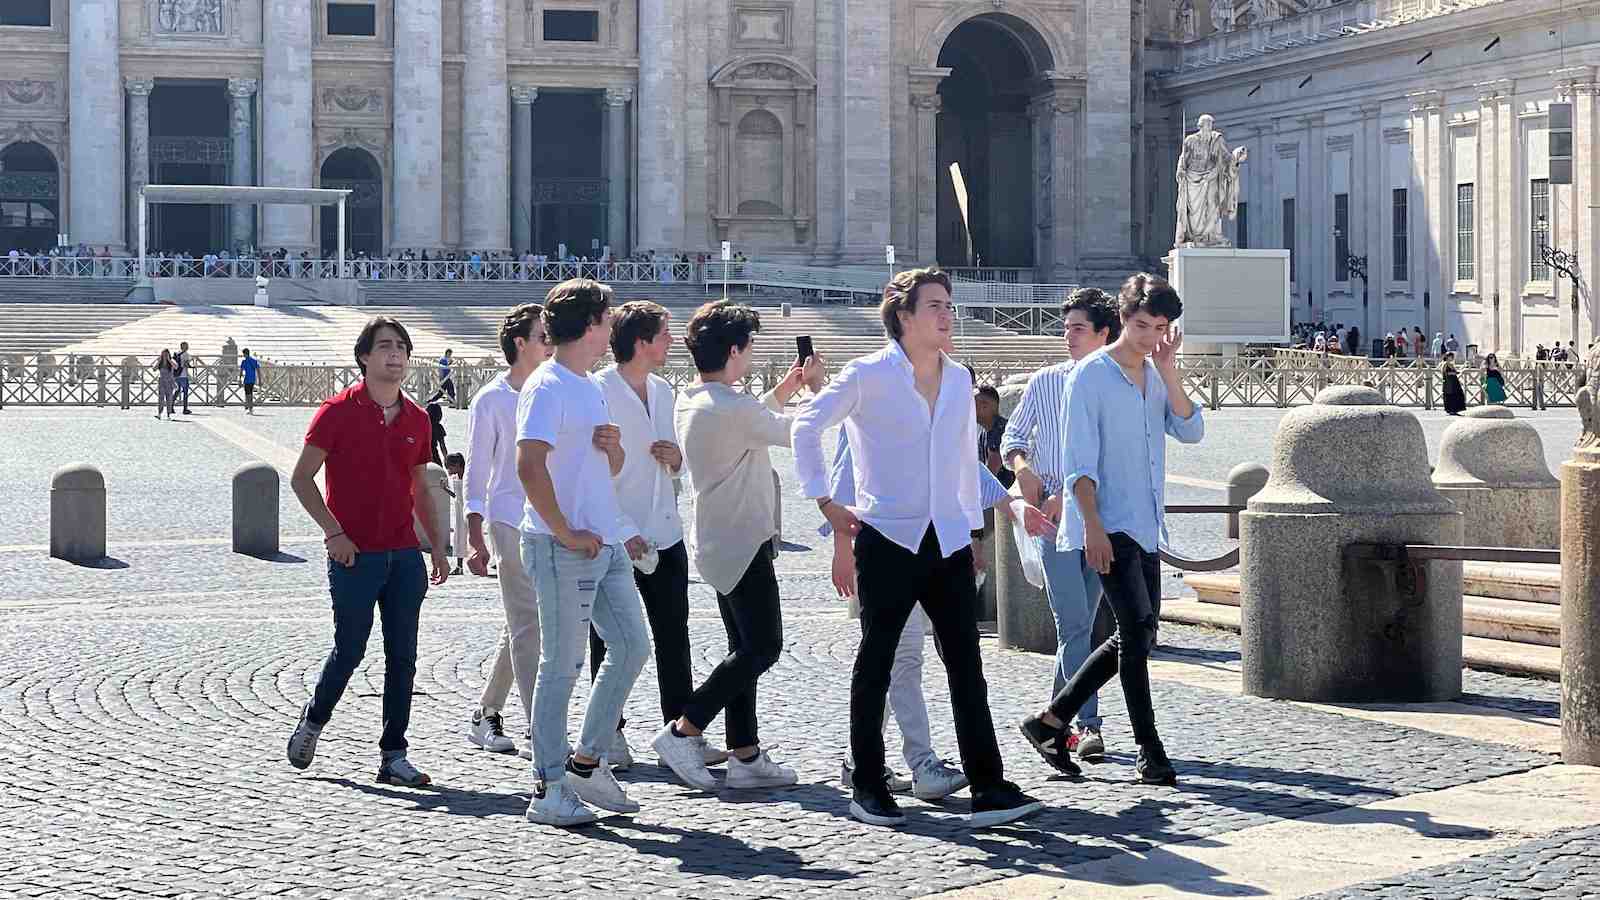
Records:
x=144, y=706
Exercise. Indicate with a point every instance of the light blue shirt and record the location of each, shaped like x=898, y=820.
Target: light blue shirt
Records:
x=1035, y=427
x=842, y=482
x=1122, y=452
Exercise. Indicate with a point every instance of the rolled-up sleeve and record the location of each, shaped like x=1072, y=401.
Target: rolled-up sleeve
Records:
x=480, y=455
x=1019, y=430
x=835, y=404
x=1080, y=444
x=1187, y=431
x=991, y=492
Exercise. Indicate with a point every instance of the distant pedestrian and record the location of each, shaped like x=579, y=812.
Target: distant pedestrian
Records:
x=1451, y=345
x=447, y=382
x=1390, y=346
x=1494, y=383
x=455, y=465
x=1401, y=342
x=437, y=448
x=181, y=367
x=1455, y=399
x=250, y=371
x=1438, y=343
x=167, y=385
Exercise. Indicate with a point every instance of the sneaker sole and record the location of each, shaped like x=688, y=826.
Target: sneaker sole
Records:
x=561, y=823
x=482, y=746
x=424, y=781
x=937, y=795
x=760, y=783
x=1163, y=781
x=1054, y=761
x=688, y=779
x=1002, y=816
x=1093, y=759
x=862, y=815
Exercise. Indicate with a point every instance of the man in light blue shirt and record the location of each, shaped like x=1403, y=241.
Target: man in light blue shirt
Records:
x=1120, y=403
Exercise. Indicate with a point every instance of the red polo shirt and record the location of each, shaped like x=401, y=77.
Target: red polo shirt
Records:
x=368, y=472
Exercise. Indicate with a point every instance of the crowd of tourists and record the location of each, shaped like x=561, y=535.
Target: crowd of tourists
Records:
x=568, y=485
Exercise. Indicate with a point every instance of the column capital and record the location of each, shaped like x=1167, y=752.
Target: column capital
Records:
x=1574, y=80
x=524, y=94
x=139, y=87
x=930, y=102
x=617, y=97
x=1489, y=91
x=242, y=88
x=1425, y=100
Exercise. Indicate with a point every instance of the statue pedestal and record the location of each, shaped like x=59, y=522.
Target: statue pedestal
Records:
x=1231, y=297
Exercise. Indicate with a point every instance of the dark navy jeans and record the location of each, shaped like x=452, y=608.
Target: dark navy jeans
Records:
x=393, y=582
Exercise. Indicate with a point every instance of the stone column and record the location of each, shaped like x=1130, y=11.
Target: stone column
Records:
x=1054, y=149
x=286, y=90
x=241, y=131
x=484, y=214
x=522, y=97
x=1580, y=584
x=418, y=126
x=1108, y=138
x=138, y=150
x=616, y=102
x=925, y=107
x=94, y=142
x=661, y=135
x=867, y=160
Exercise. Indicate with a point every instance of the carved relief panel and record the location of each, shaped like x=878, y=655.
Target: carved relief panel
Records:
x=762, y=26
x=188, y=18
x=764, y=148
x=349, y=99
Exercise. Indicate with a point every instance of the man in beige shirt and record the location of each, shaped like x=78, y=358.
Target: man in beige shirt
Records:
x=725, y=434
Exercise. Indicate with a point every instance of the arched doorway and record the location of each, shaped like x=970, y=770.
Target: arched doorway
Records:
x=30, y=198
x=354, y=169
x=994, y=60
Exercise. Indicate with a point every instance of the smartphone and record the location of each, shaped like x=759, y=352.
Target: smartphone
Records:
x=802, y=349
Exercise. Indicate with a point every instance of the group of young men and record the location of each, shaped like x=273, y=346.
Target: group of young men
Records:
x=574, y=479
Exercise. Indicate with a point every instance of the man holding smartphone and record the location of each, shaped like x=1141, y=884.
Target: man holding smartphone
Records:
x=374, y=442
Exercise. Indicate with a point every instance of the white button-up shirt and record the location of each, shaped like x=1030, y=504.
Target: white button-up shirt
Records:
x=492, y=487
x=913, y=465
x=644, y=486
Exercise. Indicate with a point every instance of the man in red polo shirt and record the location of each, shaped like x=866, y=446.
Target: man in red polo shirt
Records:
x=375, y=444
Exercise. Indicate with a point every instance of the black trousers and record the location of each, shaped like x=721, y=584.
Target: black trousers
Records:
x=1133, y=591
x=665, y=593
x=754, y=622
x=891, y=580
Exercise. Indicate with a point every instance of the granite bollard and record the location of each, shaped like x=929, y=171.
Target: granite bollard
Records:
x=1023, y=616
x=1316, y=625
x=1580, y=583
x=255, y=510
x=438, y=489
x=78, y=514
x=1492, y=468
x=1244, y=481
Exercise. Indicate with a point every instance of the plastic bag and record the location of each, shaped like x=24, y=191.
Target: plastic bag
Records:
x=1027, y=553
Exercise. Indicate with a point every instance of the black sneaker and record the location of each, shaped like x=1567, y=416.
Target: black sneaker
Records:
x=1153, y=766
x=1004, y=802
x=1051, y=744
x=875, y=806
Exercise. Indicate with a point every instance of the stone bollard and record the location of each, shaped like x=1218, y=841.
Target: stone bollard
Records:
x=1316, y=626
x=1023, y=617
x=438, y=489
x=78, y=514
x=255, y=510
x=1244, y=481
x=1492, y=468
x=1580, y=583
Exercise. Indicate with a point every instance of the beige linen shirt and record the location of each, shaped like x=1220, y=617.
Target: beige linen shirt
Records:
x=725, y=436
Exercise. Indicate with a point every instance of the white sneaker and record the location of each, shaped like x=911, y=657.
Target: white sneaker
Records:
x=760, y=772
x=684, y=757
x=935, y=780
x=558, y=805
x=619, y=755
x=898, y=784
x=489, y=732
x=599, y=788
x=712, y=755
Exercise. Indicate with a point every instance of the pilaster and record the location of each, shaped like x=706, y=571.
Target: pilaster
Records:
x=661, y=139
x=616, y=105
x=286, y=91
x=484, y=128
x=522, y=98
x=1578, y=84
x=925, y=109
x=1108, y=138
x=138, y=147
x=418, y=126
x=94, y=146
x=241, y=132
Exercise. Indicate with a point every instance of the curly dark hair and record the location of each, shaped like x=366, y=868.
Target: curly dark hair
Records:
x=716, y=330
x=1100, y=309
x=518, y=324
x=1151, y=294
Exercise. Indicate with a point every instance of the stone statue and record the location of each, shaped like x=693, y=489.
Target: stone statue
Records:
x=1222, y=16
x=1187, y=29
x=189, y=16
x=1208, y=187
x=1589, y=401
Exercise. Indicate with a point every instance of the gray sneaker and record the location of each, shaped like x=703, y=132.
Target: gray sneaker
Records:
x=1091, y=746
x=303, y=743
x=396, y=769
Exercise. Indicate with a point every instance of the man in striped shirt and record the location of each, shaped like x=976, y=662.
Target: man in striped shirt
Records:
x=1032, y=446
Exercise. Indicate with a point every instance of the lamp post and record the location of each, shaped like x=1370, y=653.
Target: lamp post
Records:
x=1565, y=263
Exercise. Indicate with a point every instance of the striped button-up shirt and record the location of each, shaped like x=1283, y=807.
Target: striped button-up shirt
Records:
x=1036, y=427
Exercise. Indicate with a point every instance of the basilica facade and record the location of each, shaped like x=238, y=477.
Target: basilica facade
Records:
x=1408, y=133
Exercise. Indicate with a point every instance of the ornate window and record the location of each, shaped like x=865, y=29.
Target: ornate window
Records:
x=1538, y=227
x=1466, y=248
x=1341, y=237
x=577, y=25
x=764, y=109
x=1400, y=253
x=26, y=13
x=353, y=18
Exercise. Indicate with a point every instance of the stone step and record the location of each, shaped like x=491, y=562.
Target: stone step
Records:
x=1513, y=581
x=1485, y=653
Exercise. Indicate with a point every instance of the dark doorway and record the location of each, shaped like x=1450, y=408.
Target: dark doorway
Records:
x=354, y=170
x=985, y=128
x=30, y=198
x=189, y=145
x=569, y=184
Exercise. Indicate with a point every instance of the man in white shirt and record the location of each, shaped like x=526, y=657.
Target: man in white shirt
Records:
x=493, y=493
x=1032, y=446
x=577, y=549
x=641, y=404
x=726, y=433
x=909, y=416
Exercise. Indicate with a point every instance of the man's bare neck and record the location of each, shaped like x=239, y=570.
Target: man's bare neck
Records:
x=383, y=393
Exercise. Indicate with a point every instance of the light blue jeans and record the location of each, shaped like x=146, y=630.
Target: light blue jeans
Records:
x=1074, y=592
x=572, y=591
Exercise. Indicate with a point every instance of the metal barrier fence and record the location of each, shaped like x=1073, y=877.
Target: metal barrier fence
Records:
x=664, y=271
x=128, y=381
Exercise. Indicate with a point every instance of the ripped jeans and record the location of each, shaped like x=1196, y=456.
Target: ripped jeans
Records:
x=1133, y=590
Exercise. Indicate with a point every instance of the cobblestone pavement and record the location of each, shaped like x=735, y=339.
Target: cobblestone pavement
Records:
x=144, y=708
x=1565, y=866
